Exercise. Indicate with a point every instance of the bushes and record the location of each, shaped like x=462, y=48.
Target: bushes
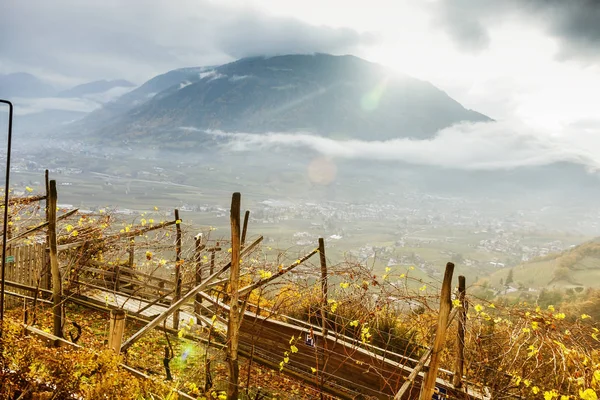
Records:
x=30, y=369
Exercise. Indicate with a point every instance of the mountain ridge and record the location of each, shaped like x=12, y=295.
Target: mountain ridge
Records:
x=333, y=96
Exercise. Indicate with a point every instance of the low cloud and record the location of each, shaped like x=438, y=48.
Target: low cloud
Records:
x=471, y=146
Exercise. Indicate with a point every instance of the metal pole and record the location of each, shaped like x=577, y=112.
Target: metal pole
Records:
x=5, y=222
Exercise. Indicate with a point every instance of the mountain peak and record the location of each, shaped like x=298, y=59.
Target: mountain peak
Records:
x=335, y=96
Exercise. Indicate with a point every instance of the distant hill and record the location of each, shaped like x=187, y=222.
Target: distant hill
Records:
x=95, y=87
x=579, y=266
x=334, y=96
x=21, y=84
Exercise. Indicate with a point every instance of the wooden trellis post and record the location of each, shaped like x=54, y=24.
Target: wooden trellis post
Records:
x=198, y=266
x=233, y=324
x=245, y=228
x=57, y=308
x=116, y=328
x=440, y=336
x=324, y=312
x=177, y=295
x=460, y=338
x=213, y=251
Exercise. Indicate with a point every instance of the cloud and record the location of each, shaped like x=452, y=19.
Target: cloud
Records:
x=471, y=146
x=137, y=40
x=574, y=24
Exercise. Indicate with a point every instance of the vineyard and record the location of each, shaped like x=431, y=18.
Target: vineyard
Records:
x=101, y=304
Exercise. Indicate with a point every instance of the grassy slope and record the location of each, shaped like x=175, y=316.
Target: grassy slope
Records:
x=582, y=262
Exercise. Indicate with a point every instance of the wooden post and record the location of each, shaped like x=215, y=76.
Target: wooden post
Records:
x=213, y=251
x=324, y=312
x=198, y=266
x=47, y=248
x=245, y=228
x=57, y=308
x=460, y=338
x=177, y=268
x=420, y=364
x=234, y=312
x=116, y=328
x=440, y=335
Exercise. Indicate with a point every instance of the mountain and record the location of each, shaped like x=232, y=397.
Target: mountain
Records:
x=95, y=88
x=21, y=84
x=334, y=96
x=136, y=97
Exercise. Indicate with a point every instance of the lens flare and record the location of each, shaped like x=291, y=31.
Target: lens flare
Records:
x=322, y=171
x=370, y=101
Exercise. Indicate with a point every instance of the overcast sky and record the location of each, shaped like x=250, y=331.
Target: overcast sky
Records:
x=536, y=61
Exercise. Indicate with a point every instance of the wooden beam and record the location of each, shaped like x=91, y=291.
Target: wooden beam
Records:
x=245, y=290
x=57, y=308
x=460, y=336
x=233, y=323
x=428, y=386
x=41, y=226
x=24, y=200
x=189, y=295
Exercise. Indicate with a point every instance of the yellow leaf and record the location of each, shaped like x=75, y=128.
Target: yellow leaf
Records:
x=588, y=394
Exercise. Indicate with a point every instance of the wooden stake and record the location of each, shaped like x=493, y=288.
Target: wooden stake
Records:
x=213, y=251
x=420, y=364
x=116, y=328
x=245, y=228
x=47, y=258
x=234, y=312
x=57, y=308
x=198, y=266
x=324, y=313
x=177, y=268
x=440, y=336
x=460, y=338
